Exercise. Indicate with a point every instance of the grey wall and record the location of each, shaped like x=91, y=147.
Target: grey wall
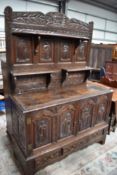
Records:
x=105, y=22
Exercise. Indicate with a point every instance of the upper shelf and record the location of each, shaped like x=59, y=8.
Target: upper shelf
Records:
x=32, y=70
x=76, y=69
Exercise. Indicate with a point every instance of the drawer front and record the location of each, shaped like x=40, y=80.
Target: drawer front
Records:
x=47, y=159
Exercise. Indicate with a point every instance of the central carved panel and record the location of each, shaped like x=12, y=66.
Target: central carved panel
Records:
x=65, y=51
x=46, y=50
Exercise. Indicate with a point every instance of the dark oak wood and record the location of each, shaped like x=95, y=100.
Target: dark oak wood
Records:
x=51, y=109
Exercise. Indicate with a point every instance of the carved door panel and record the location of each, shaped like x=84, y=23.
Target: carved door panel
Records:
x=86, y=110
x=43, y=129
x=66, y=121
x=45, y=50
x=23, y=51
x=65, y=51
x=81, y=50
x=102, y=107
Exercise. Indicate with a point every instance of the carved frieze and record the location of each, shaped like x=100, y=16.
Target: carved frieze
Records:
x=50, y=23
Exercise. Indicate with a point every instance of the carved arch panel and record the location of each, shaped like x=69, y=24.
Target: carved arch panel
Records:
x=43, y=128
x=85, y=112
x=66, y=116
x=23, y=49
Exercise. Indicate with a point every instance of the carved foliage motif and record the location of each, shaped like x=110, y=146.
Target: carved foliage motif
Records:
x=22, y=132
x=67, y=115
x=42, y=161
x=51, y=22
x=86, y=114
x=102, y=108
x=23, y=50
x=19, y=128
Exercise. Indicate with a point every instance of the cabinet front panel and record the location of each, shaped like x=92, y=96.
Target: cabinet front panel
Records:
x=66, y=116
x=102, y=107
x=42, y=132
x=23, y=51
x=85, y=114
x=46, y=50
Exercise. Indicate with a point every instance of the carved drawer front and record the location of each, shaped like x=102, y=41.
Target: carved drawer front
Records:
x=43, y=129
x=66, y=116
x=47, y=158
x=102, y=107
x=86, y=110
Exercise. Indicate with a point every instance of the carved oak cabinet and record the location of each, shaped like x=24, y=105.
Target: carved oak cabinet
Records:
x=51, y=109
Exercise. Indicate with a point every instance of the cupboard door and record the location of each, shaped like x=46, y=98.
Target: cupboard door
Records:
x=102, y=107
x=66, y=121
x=23, y=51
x=86, y=110
x=43, y=129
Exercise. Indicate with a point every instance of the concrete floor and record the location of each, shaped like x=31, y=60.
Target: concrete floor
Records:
x=94, y=160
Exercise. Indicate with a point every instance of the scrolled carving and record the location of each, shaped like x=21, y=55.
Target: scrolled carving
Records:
x=53, y=22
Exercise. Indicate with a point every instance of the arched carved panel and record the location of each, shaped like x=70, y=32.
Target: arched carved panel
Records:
x=86, y=112
x=65, y=51
x=42, y=129
x=66, y=121
x=80, y=51
x=23, y=53
x=46, y=51
x=102, y=105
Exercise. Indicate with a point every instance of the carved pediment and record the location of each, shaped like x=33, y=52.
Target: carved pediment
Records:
x=51, y=23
